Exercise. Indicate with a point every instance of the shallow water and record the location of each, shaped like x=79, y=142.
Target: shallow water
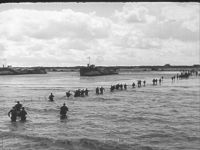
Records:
x=162, y=117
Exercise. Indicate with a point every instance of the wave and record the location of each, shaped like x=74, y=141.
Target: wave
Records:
x=70, y=144
x=106, y=99
x=157, y=135
x=43, y=109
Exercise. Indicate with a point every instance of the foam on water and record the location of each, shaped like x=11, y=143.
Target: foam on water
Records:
x=153, y=117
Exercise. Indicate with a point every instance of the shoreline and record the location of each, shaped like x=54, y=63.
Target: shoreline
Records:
x=129, y=68
x=39, y=70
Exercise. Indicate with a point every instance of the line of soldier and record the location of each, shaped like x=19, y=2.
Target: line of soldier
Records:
x=155, y=81
x=118, y=86
x=77, y=93
x=183, y=75
x=139, y=83
x=190, y=72
x=81, y=93
x=100, y=90
x=180, y=76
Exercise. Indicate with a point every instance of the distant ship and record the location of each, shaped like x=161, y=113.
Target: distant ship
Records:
x=20, y=71
x=91, y=70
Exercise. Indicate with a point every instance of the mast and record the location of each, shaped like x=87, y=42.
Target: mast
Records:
x=89, y=60
x=4, y=62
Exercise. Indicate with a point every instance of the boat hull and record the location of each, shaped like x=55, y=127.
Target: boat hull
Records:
x=21, y=71
x=97, y=71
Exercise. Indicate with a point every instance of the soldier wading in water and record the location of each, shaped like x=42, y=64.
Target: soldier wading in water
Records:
x=63, y=111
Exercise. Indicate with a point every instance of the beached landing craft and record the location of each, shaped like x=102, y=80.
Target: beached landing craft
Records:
x=91, y=70
x=20, y=71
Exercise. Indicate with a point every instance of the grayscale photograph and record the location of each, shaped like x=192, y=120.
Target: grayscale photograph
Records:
x=100, y=76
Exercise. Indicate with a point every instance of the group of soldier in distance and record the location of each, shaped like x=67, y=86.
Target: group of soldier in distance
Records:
x=19, y=112
x=118, y=87
x=99, y=90
x=183, y=75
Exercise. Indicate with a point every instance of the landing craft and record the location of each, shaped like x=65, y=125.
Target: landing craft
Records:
x=91, y=70
x=20, y=70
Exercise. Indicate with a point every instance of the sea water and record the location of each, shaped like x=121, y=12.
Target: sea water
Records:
x=160, y=117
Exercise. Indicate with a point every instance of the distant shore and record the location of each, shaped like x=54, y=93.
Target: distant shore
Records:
x=129, y=68
x=22, y=70
x=121, y=68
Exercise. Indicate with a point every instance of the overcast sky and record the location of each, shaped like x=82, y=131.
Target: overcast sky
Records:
x=66, y=34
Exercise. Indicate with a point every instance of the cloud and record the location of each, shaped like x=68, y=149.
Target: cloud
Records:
x=52, y=24
x=136, y=34
x=2, y=49
x=163, y=21
x=171, y=29
x=178, y=22
x=134, y=13
x=187, y=14
x=51, y=33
